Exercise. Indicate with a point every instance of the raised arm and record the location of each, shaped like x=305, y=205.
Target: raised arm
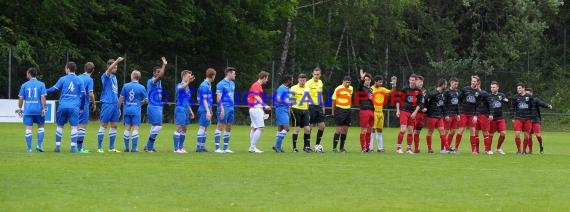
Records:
x=161, y=72
x=117, y=61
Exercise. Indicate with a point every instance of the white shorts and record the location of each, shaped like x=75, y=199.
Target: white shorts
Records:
x=256, y=116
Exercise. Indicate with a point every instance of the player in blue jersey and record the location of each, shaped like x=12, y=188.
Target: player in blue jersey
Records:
x=84, y=117
x=205, y=110
x=181, y=119
x=71, y=102
x=154, y=108
x=33, y=96
x=110, y=111
x=282, y=104
x=225, y=113
x=133, y=95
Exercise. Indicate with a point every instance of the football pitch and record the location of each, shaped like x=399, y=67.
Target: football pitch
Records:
x=278, y=182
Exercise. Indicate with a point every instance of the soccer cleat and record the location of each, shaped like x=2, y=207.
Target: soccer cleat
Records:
x=134, y=150
x=500, y=151
x=380, y=150
x=228, y=151
x=114, y=150
x=39, y=149
x=474, y=153
x=255, y=150
x=276, y=149
x=177, y=151
x=126, y=150
x=183, y=150
x=541, y=150
x=410, y=152
x=443, y=151
x=57, y=149
x=295, y=150
x=73, y=149
x=489, y=152
x=308, y=149
x=100, y=151
x=430, y=151
x=219, y=151
x=417, y=151
x=83, y=151
x=399, y=151
x=343, y=151
x=30, y=150
x=150, y=150
x=518, y=153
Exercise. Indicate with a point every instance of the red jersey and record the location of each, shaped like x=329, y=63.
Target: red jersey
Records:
x=254, y=90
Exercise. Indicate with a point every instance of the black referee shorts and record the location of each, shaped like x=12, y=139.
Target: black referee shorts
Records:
x=299, y=118
x=342, y=117
x=316, y=114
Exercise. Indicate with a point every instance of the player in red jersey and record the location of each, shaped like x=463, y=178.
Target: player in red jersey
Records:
x=498, y=123
x=536, y=126
x=522, y=105
x=411, y=98
x=452, y=117
x=420, y=117
x=436, y=112
x=469, y=97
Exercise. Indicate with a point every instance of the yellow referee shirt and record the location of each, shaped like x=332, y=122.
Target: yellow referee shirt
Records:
x=379, y=101
x=343, y=96
x=297, y=94
x=315, y=88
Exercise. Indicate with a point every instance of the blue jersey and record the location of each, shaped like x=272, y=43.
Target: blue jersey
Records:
x=205, y=93
x=282, y=94
x=182, y=96
x=32, y=91
x=110, y=90
x=154, y=92
x=88, y=85
x=133, y=94
x=226, y=89
x=72, y=91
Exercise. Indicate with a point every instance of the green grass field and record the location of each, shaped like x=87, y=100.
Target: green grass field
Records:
x=284, y=182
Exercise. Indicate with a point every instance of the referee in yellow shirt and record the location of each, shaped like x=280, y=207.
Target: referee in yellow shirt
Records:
x=317, y=108
x=300, y=113
x=342, y=99
x=380, y=98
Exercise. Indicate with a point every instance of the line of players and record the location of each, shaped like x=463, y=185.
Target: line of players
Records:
x=454, y=109
x=447, y=109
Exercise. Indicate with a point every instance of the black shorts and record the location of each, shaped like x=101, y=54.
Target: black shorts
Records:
x=342, y=117
x=299, y=118
x=316, y=114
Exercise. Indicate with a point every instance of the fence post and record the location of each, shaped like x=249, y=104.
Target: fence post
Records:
x=9, y=73
x=125, y=69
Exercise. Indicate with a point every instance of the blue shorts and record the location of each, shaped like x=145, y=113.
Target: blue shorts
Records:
x=203, y=121
x=282, y=116
x=228, y=115
x=154, y=115
x=181, y=116
x=29, y=120
x=133, y=120
x=110, y=112
x=64, y=115
x=84, y=117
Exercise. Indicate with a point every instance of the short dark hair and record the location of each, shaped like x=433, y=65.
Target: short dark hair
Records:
x=413, y=76
x=317, y=69
x=286, y=78
x=229, y=69
x=521, y=84
x=441, y=82
x=528, y=89
x=453, y=79
x=420, y=77
x=156, y=69
x=302, y=76
x=71, y=66
x=32, y=71
x=89, y=66
x=368, y=75
x=110, y=62
x=378, y=78
x=494, y=83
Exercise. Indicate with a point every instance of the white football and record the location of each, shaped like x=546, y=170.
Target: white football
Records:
x=319, y=148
